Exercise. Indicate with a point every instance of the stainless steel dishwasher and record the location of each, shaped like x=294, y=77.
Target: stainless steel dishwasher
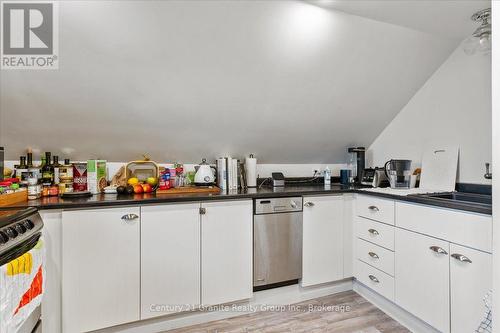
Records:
x=277, y=243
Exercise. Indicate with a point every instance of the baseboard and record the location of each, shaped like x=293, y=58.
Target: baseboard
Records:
x=397, y=313
x=279, y=296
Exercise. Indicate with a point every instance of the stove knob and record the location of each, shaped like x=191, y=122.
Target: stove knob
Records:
x=29, y=224
x=11, y=232
x=20, y=228
x=3, y=237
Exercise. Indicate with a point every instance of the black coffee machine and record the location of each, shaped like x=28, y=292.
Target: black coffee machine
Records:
x=360, y=162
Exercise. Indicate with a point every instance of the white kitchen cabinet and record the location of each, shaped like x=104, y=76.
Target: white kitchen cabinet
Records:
x=464, y=228
x=470, y=278
x=422, y=284
x=374, y=232
x=375, y=279
x=348, y=234
x=100, y=268
x=375, y=255
x=51, y=305
x=374, y=208
x=170, y=258
x=226, y=251
x=322, y=252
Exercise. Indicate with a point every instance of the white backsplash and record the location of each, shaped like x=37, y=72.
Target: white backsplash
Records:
x=263, y=170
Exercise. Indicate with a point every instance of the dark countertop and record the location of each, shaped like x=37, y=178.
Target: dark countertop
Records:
x=112, y=200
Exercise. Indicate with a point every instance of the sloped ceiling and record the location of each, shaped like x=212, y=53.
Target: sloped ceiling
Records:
x=286, y=80
x=450, y=18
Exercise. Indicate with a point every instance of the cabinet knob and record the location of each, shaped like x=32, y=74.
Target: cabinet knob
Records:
x=373, y=278
x=309, y=204
x=203, y=211
x=373, y=255
x=373, y=208
x=130, y=217
x=373, y=232
x=438, y=250
x=461, y=257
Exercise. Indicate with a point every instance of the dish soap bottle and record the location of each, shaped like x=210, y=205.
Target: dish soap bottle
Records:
x=327, y=176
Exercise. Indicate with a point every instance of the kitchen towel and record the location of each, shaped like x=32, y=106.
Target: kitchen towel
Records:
x=21, y=288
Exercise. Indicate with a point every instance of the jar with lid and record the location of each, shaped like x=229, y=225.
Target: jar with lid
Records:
x=34, y=191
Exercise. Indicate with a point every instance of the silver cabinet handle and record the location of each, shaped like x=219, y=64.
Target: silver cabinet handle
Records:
x=261, y=280
x=438, y=250
x=373, y=208
x=373, y=278
x=293, y=204
x=373, y=232
x=373, y=255
x=309, y=204
x=461, y=257
x=130, y=217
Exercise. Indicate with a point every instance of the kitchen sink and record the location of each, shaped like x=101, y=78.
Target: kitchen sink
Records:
x=471, y=198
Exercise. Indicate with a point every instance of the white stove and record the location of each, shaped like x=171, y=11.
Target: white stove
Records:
x=22, y=257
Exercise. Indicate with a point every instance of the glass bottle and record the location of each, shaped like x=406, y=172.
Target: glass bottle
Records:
x=56, y=167
x=352, y=167
x=47, y=171
x=33, y=170
x=29, y=162
x=22, y=171
x=42, y=164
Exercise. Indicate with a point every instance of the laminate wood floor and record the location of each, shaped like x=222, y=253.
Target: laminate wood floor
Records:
x=340, y=313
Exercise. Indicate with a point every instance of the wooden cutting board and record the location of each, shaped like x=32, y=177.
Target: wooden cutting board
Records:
x=190, y=189
x=439, y=169
x=12, y=198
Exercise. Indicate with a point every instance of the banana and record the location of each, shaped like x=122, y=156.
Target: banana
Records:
x=7, y=172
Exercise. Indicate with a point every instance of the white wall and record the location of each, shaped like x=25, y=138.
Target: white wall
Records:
x=181, y=80
x=452, y=107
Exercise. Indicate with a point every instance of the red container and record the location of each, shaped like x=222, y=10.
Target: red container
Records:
x=79, y=177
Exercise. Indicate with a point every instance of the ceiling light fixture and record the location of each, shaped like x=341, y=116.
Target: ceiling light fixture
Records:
x=480, y=41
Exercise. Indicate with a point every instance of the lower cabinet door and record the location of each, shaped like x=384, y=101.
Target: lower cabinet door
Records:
x=422, y=277
x=170, y=259
x=100, y=268
x=322, y=245
x=226, y=251
x=375, y=279
x=471, y=278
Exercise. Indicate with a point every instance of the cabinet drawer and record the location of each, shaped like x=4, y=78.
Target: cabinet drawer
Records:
x=375, y=232
x=469, y=229
x=375, y=255
x=377, y=209
x=375, y=279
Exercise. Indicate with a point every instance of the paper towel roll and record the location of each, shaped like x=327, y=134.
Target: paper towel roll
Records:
x=251, y=171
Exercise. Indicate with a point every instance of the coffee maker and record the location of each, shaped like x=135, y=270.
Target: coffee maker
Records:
x=360, y=162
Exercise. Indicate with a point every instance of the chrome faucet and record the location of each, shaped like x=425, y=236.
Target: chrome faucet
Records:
x=488, y=174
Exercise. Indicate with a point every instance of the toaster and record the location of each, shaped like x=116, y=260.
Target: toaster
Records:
x=374, y=177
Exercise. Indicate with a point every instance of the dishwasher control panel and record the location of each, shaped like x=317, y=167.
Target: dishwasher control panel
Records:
x=278, y=205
